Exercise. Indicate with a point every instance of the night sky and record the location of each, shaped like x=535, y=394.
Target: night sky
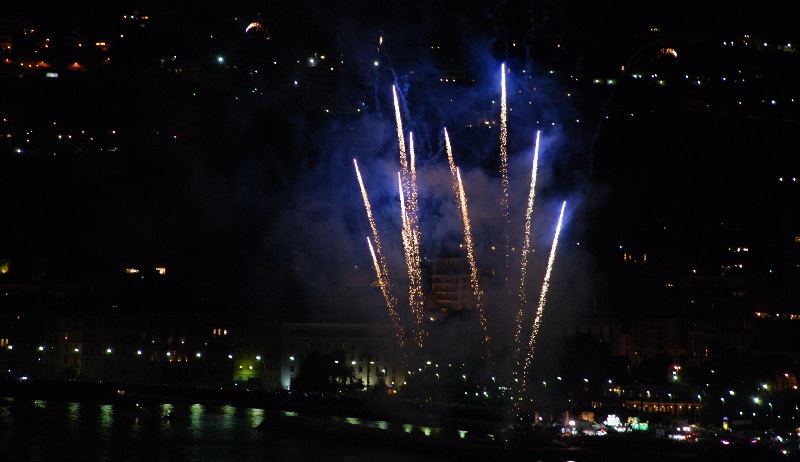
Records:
x=242, y=182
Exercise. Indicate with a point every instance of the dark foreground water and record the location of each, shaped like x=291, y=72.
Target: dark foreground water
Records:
x=35, y=430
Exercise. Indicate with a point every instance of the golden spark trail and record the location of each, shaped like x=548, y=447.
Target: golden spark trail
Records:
x=542, y=299
x=504, y=167
x=452, y=168
x=400, y=137
x=391, y=302
x=413, y=209
x=415, y=272
x=405, y=233
x=371, y=222
x=414, y=293
x=408, y=189
x=473, y=267
x=524, y=260
x=380, y=266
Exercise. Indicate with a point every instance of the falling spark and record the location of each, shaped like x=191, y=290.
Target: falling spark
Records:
x=473, y=267
x=504, y=165
x=380, y=261
x=542, y=299
x=391, y=302
x=525, y=251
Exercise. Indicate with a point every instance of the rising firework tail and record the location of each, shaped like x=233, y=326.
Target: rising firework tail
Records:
x=526, y=244
x=391, y=302
x=473, y=278
x=540, y=310
x=411, y=237
x=504, y=171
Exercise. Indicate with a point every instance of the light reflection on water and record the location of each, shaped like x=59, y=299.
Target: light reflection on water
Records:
x=34, y=431
x=106, y=416
x=255, y=416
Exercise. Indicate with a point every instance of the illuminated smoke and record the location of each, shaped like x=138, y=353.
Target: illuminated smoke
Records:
x=380, y=262
x=473, y=267
x=504, y=167
x=524, y=260
x=542, y=298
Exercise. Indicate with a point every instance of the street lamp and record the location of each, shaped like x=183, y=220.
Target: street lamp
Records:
x=264, y=368
x=110, y=351
x=43, y=361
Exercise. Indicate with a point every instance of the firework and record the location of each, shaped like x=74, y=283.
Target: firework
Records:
x=414, y=269
x=405, y=233
x=525, y=251
x=412, y=263
x=380, y=262
x=542, y=298
x=504, y=165
x=408, y=189
x=400, y=137
x=391, y=302
x=452, y=167
x=472, y=266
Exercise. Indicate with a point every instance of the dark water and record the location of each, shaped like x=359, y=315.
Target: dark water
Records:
x=62, y=431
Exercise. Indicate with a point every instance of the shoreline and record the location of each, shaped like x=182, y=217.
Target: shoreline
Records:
x=316, y=414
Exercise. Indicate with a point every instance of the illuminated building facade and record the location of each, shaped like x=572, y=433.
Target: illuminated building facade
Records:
x=450, y=284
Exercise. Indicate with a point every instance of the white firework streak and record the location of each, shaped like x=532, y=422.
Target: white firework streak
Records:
x=524, y=259
x=542, y=299
x=473, y=267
